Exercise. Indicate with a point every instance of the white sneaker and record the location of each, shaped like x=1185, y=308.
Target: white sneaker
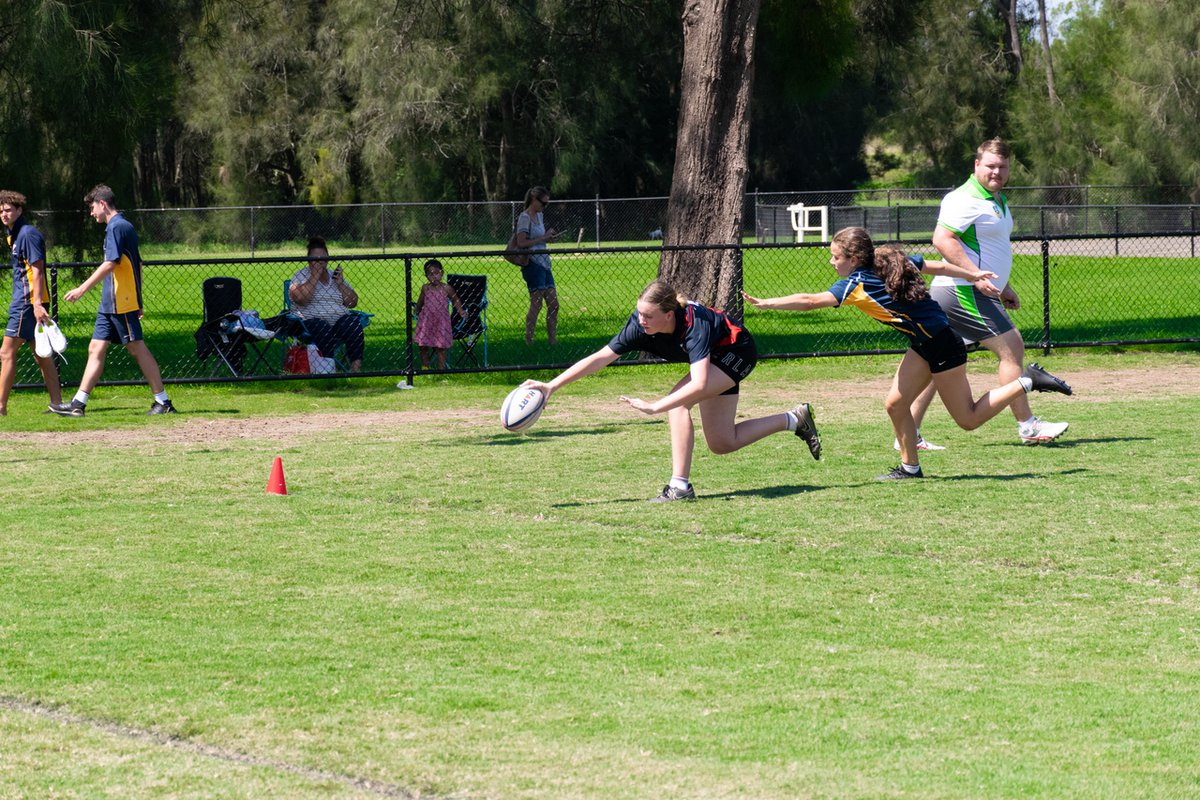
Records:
x=41, y=341
x=922, y=444
x=1037, y=431
x=58, y=342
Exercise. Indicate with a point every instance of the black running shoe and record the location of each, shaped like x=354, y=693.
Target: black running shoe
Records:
x=806, y=429
x=71, y=409
x=670, y=493
x=898, y=474
x=161, y=408
x=1043, y=381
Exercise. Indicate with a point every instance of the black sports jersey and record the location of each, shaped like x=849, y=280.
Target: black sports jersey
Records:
x=698, y=332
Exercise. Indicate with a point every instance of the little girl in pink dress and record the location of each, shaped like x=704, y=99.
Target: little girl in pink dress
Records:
x=433, y=334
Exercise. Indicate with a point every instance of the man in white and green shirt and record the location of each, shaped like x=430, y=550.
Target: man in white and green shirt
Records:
x=973, y=230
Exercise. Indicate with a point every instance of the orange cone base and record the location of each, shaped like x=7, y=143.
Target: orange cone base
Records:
x=276, y=484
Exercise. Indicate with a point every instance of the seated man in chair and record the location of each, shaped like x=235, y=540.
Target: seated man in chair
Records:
x=323, y=299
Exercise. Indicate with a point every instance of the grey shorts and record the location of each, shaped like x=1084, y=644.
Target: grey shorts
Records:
x=973, y=315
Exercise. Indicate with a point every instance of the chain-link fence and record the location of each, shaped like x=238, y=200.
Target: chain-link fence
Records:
x=403, y=227
x=1075, y=291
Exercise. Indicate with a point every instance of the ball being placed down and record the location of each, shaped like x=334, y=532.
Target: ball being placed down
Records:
x=521, y=408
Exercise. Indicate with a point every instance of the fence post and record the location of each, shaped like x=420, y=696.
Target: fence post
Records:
x=408, y=322
x=739, y=282
x=1193, y=210
x=597, y=221
x=1045, y=296
x=1116, y=230
x=252, y=231
x=382, y=233
x=54, y=292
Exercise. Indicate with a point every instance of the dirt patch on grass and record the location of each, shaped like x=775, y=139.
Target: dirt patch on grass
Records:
x=852, y=395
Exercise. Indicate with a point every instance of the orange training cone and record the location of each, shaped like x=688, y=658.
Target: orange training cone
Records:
x=276, y=484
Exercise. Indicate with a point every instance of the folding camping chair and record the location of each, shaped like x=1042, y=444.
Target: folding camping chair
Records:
x=293, y=330
x=229, y=332
x=471, y=328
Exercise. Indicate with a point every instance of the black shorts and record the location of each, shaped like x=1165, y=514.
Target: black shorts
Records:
x=944, y=350
x=737, y=360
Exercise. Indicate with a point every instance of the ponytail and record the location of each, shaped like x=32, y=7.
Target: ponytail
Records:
x=900, y=277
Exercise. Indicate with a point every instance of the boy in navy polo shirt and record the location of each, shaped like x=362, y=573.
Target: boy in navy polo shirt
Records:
x=29, y=298
x=119, y=318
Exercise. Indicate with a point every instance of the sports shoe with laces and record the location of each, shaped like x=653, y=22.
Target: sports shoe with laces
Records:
x=806, y=429
x=1043, y=381
x=1036, y=431
x=922, y=444
x=71, y=409
x=58, y=342
x=41, y=341
x=161, y=408
x=898, y=474
x=670, y=493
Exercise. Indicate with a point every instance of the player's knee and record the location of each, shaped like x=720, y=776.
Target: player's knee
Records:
x=721, y=445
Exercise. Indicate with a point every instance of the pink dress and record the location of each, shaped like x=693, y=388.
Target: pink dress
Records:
x=433, y=323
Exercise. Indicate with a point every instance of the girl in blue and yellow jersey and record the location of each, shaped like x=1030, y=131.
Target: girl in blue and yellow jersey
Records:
x=720, y=355
x=887, y=286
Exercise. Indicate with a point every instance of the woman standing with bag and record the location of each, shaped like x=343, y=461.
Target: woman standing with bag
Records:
x=532, y=234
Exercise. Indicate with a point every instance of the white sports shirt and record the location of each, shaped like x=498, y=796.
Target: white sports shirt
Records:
x=984, y=223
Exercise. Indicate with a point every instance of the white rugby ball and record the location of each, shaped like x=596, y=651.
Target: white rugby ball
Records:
x=521, y=408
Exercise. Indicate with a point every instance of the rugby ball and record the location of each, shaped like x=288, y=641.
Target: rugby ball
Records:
x=521, y=408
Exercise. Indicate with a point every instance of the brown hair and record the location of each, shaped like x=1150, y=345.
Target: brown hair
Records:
x=662, y=295
x=535, y=193
x=11, y=198
x=900, y=277
x=996, y=145
x=317, y=242
x=100, y=193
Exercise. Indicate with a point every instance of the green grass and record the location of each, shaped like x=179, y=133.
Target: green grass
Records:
x=439, y=607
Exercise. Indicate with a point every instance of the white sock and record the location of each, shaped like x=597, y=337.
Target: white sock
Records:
x=911, y=469
x=1026, y=384
x=679, y=483
x=1028, y=422
x=161, y=397
x=792, y=420
x=81, y=397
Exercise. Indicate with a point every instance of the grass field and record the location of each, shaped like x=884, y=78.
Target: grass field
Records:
x=1093, y=298
x=442, y=609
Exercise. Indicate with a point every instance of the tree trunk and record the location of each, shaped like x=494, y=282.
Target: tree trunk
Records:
x=1016, y=60
x=1046, y=52
x=709, y=180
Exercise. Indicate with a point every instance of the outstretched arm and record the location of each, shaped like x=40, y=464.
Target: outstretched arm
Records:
x=580, y=369
x=982, y=279
x=794, y=302
x=686, y=395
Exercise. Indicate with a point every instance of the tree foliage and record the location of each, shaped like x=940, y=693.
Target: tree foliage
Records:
x=193, y=102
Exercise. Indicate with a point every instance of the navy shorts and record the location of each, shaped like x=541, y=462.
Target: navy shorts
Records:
x=21, y=321
x=737, y=360
x=944, y=350
x=118, y=328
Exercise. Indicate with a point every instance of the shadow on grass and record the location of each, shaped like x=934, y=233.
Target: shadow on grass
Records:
x=768, y=492
x=1061, y=443
x=1018, y=476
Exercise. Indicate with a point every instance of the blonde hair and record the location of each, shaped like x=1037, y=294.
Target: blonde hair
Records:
x=662, y=295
